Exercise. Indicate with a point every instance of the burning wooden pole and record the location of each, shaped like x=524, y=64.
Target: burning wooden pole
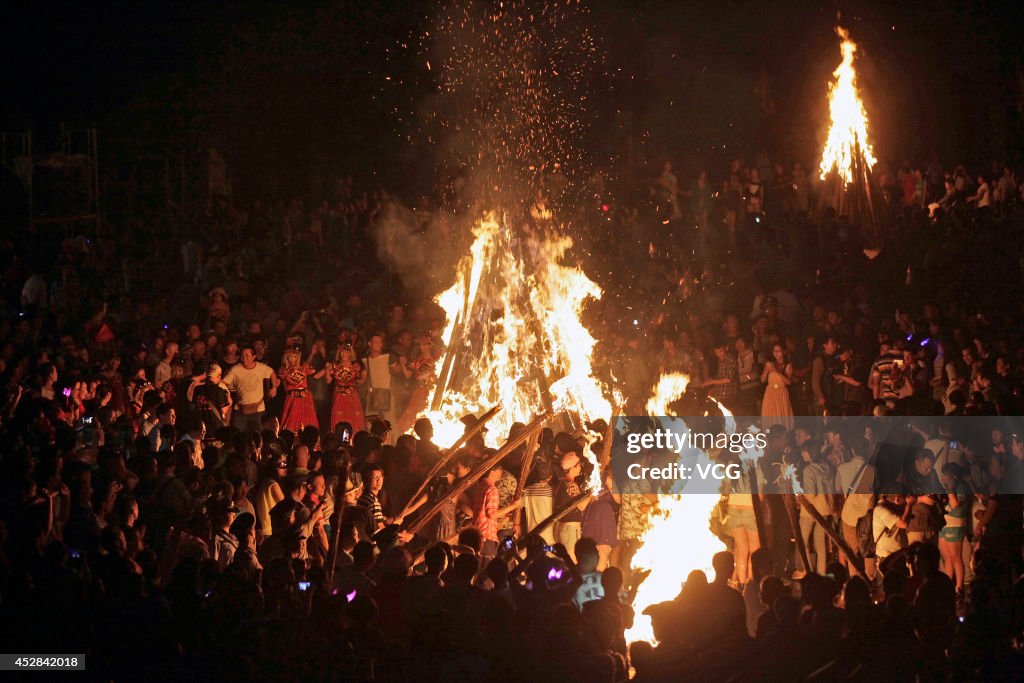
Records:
x=449, y=454
x=865, y=214
x=444, y=377
x=609, y=436
x=479, y=471
x=524, y=471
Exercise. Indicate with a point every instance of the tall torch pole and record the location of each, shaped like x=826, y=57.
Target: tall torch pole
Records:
x=339, y=509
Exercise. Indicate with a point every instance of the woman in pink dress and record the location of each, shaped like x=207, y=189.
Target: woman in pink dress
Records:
x=299, y=410
x=346, y=373
x=424, y=375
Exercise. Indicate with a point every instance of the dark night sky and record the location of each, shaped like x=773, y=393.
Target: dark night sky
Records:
x=281, y=85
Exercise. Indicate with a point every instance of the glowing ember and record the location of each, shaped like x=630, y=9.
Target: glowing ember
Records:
x=849, y=127
x=514, y=327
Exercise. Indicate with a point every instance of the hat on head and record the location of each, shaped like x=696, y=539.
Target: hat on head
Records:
x=283, y=509
x=280, y=513
x=295, y=532
x=243, y=524
x=221, y=507
x=470, y=421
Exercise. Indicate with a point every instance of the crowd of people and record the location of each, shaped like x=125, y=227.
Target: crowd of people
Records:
x=212, y=448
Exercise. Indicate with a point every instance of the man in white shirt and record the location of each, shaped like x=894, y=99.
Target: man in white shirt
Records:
x=982, y=195
x=246, y=382
x=890, y=517
x=380, y=366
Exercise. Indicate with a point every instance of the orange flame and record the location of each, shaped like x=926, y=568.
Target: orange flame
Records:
x=670, y=387
x=679, y=524
x=520, y=306
x=849, y=127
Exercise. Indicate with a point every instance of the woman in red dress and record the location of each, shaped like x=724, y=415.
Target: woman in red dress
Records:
x=299, y=410
x=346, y=373
x=424, y=374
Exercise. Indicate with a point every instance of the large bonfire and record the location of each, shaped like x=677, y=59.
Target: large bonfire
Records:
x=847, y=144
x=848, y=158
x=509, y=104
x=514, y=334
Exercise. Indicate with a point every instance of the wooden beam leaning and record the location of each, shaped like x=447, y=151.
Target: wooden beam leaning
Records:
x=837, y=538
x=449, y=454
x=479, y=471
x=339, y=511
x=559, y=514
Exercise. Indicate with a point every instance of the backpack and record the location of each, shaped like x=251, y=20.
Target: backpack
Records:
x=866, y=524
x=866, y=534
